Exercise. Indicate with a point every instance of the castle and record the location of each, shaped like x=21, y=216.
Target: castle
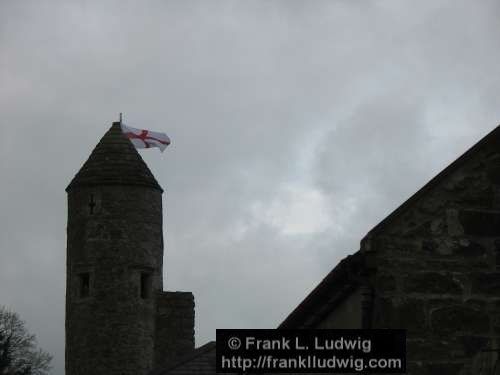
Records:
x=431, y=267
x=119, y=321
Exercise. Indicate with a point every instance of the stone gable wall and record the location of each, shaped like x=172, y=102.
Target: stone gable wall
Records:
x=436, y=272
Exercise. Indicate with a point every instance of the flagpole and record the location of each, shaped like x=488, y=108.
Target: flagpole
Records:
x=120, y=118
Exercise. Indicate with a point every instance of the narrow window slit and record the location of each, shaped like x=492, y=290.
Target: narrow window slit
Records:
x=92, y=204
x=84, y=285
x=146, y=285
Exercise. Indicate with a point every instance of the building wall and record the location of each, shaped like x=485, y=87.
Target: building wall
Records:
x=436, y=272
x=174, y=334
x=346, y=315
x=114, y=237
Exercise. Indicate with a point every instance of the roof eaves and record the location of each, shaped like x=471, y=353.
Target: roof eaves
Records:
x=345, y=273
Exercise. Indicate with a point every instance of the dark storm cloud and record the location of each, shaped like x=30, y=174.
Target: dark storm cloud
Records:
x=296, y=126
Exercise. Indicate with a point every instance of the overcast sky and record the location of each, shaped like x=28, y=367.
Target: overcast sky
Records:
x=296, y=127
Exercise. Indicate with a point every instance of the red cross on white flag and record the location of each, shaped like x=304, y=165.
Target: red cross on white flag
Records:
x=146, y=138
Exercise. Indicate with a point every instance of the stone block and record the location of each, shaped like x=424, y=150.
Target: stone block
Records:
x=477, y=304
x=496, y=323
x=437, y=226
x=486, y=283
x=385, y=282
x=494, y=175
x=440, y=302
x=431, y=282
x=474, y=344
x=429, y=246
x=408, y=314
x=453, y=224
x=480, y=223
x=469, y=248
x=414, y=368
x=450, y=320
x=412, y=317
x=446, y=368
x=429, y=350
x=437, y=368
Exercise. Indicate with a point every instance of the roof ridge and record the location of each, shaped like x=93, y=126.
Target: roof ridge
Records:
x=492, y=135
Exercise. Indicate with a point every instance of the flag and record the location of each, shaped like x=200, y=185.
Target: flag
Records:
x=145, y=138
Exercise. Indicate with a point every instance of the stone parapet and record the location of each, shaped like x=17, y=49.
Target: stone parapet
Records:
x=174, y=326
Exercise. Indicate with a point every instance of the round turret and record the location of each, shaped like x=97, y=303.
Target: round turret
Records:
x=114, y=261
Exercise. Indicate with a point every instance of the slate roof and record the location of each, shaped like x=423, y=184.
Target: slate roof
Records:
x=331, y=290
x=200, y=361
x=114, y=161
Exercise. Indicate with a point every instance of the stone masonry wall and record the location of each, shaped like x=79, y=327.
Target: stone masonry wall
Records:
x=114, y=239
x=436, y=272
x=174, y=326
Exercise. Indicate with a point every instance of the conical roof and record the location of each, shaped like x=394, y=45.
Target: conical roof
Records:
x=114, y=161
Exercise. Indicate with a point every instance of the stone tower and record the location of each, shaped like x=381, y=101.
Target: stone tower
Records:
x=115, y=304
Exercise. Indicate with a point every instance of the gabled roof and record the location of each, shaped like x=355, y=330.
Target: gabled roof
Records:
x=200, y=361
x=114, y=161
x=344, y=276
x=492, y=139
x=330, y=291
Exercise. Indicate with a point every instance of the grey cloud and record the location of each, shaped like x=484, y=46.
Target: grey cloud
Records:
x=347, y=106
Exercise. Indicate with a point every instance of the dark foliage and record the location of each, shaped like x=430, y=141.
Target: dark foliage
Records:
x=19, y=354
